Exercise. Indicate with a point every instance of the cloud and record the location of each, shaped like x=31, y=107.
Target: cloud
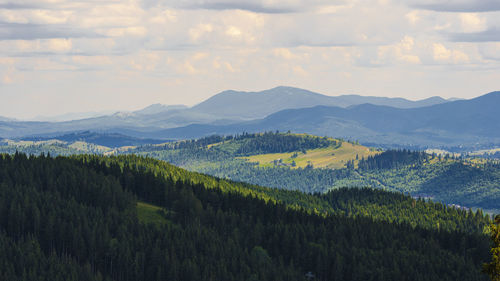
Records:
x=457, y=5
x=400, y=52
x=442, y=54
x=490, y=35
x=490, y=51
x=256, y=6
x=241, y=5
x=28, y=31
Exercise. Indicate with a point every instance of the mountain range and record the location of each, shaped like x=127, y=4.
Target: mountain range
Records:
x=452, y=123
x=378, y=120
x=111, y=140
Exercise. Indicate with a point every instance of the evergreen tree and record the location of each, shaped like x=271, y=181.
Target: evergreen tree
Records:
x=493, y=268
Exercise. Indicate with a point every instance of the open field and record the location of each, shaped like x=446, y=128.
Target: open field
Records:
x=330, y=157
x=148, y=213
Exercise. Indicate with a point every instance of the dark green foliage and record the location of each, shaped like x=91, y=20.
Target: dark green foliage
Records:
x=75, y=219
x=493, y=268
x=397, y=207
x=249, y=144
x=393, y=159
x=270, y=142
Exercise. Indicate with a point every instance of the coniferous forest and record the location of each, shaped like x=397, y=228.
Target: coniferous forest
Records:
x=133, y=218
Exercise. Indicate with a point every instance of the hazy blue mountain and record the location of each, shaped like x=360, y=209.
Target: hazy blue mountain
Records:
x=351, y=100
x=5, y=119
x=250, y=105
x=105, y=139
x=373, y=119
x=72, y=116
x=159, y=108
x=462, y=121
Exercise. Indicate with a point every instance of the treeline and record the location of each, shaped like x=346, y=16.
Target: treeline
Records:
x=394, y=158
x=76, y=219
x=401, y=208
x=248, y=144
x=457, y=181
x=275, y=142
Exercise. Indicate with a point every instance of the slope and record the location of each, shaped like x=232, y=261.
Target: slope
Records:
x=453, y=181
x=84, y=226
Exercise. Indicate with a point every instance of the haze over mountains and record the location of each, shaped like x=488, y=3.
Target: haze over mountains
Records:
x=379, y=120
x=453, y=123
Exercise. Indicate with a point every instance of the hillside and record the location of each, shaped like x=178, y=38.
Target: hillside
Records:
x=88, y=225
x=326, y=164
x=453, y=181
x=333, y=157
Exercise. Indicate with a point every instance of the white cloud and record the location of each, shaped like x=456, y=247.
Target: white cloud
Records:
x=472, y=22
x=402, y=51
x=413, y=17
x=284, y=53
x=59, y=45
x=442, y=54
x=200, y=30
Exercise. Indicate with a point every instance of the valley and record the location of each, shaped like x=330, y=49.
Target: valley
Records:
x=321, y=164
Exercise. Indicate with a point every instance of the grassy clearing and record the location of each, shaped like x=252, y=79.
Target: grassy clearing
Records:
x=89, y=147
x=148, y=213
x=330, y=157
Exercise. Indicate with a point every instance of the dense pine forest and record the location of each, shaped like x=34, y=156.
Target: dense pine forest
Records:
x=132, y=218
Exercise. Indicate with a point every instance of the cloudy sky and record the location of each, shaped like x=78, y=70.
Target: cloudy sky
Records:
x=59, y=56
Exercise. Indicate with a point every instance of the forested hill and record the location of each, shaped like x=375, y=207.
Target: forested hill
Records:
x=251, y=144
x=79, y=219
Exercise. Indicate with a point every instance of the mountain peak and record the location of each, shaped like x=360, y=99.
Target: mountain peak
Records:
x=158, y=107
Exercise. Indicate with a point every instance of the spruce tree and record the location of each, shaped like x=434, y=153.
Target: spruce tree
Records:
x=493, y=268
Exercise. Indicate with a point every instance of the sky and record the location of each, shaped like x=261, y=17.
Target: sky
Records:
x=60, y=56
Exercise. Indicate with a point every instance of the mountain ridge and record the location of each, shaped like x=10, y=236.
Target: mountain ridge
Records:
x=466, y=119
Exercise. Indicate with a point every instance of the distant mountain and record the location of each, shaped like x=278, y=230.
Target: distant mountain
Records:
x=111, y=140
x=5, y=119
x=159, y=108
x=351, y=100
x=72, y=116
x=444, y=124
x=250, y=105
x=233, y=111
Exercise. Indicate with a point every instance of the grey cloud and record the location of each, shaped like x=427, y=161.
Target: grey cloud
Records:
x=459, y=6
x=253, y=7
x=281, y=7
x=17, y=31
x=490, y=35
x=17, y=6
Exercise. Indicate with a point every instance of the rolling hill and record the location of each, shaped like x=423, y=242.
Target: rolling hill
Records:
x=323, y=164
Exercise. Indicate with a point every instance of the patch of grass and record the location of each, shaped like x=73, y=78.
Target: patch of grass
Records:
x=89, y=147
x=148, y=213
x=330, y=157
